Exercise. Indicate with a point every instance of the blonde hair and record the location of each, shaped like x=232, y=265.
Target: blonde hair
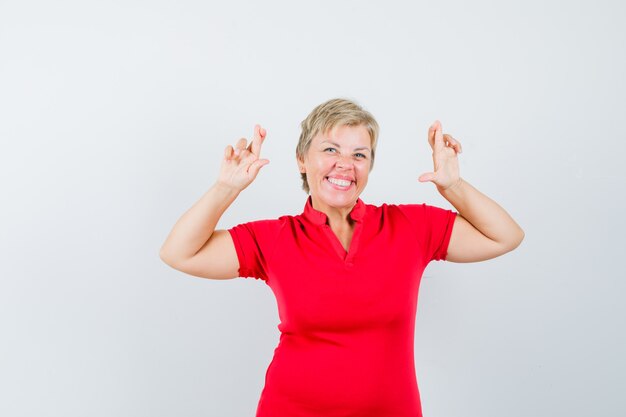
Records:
x=333, y=113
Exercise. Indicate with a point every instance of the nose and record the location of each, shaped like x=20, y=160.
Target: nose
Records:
x=344, y=161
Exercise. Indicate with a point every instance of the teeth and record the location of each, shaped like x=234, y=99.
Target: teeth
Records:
x=341, y=183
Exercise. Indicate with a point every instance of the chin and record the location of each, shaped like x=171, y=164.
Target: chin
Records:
x=330, y=196
x=340, y=199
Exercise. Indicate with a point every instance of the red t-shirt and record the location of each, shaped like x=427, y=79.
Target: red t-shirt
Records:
x=347, y=319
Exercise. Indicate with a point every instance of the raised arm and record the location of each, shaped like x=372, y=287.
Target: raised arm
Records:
x=194, y=246
x=482, y=230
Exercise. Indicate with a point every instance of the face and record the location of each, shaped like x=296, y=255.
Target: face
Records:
x=337, y=165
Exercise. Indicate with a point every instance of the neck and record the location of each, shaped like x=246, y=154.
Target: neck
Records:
x=337, y=216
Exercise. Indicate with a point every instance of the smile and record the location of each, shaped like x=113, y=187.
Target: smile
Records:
x=339, y=184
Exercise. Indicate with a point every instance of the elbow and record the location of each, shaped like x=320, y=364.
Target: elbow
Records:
x=520, y=236
x=516, y=240
x=165, y=256
x=173, y=258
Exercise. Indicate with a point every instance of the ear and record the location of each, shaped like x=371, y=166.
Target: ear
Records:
x=300, y=165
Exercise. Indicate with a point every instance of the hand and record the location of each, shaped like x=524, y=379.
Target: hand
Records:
x=241, y=164
x=445, y=149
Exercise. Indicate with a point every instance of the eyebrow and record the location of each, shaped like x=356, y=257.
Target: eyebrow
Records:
x=356, y=149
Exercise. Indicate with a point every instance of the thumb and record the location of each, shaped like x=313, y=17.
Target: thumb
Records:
x=256, y=166
x=429, y=176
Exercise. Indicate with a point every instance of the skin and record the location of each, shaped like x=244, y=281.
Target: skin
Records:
x=482, y=229
x=343, y=151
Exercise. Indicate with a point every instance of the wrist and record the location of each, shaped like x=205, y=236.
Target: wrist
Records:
x=451, y=188
x=226, y=188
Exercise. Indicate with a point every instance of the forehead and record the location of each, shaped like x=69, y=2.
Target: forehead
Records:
x=352, y=135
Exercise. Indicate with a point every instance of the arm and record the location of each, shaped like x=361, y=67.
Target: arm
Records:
x=482, y=229
x=194, y=246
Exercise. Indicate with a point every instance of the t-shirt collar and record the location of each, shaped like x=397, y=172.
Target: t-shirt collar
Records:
x=319, y=218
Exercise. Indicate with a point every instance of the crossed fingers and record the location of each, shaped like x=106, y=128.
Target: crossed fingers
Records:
x=243, y=149
x=439, y=140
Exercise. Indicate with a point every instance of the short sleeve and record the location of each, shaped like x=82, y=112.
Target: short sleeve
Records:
x=254, y=243
x=433, y=226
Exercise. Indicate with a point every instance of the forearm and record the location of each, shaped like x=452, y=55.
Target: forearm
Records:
x=197, y=224
x=484, y=214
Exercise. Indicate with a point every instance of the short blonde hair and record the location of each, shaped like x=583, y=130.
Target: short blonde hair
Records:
x=333, y=113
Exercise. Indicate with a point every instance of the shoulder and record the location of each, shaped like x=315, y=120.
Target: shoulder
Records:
x=415, y=213
x=401, y=209
x=262, y=229
x=268, y=225
x=413, y=208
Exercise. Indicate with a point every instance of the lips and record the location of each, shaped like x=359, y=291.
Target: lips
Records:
x=339, y=187
x=341, y=177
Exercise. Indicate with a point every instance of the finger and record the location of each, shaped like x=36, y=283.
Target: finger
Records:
x=457, y=146
x=454, y=143
x=228, y=152
x=429, y=176
x=255, y=134
x=431, y=135
x=240, y=145
x=439, y=143
x=257, y=140
x=256, y=166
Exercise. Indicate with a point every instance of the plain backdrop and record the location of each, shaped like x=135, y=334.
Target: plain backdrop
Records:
x=114, y=116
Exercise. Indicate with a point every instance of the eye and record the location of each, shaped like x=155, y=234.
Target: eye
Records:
x=363, y=156
x=329, y=148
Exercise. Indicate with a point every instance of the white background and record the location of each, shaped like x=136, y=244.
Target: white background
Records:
x=113, y=120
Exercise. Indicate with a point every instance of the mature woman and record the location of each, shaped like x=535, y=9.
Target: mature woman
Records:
x=345, y=273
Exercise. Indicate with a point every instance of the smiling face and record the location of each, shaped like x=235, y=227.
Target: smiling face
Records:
x=337, y=165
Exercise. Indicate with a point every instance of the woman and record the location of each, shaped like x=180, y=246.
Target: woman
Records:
x=345, y=273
